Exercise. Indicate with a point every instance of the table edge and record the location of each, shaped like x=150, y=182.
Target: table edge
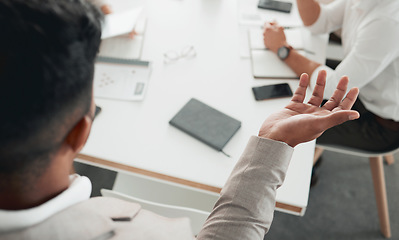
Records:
x=95, y=160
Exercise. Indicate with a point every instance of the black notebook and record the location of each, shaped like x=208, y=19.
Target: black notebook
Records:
x=206, y=124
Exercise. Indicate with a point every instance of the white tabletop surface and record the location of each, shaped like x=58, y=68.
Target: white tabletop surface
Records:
x=138, y=134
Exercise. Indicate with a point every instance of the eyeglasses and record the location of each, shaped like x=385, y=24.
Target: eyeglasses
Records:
x=187, y=52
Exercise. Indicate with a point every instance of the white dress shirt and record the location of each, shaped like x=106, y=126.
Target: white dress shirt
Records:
x=78, y=191
x=370, y=40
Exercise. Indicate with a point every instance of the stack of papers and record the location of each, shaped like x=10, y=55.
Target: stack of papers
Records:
x=118, y=72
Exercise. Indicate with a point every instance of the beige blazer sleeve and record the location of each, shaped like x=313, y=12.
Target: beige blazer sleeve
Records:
x=246, y=205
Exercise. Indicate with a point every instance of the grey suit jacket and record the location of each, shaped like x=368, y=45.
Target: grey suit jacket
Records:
x=244, y=210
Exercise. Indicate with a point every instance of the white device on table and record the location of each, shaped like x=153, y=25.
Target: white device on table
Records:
x=121, y=79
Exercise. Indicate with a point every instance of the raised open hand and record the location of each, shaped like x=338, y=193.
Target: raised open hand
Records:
x=300, y=122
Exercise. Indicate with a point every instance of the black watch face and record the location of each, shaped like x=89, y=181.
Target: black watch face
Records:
x=283, y=52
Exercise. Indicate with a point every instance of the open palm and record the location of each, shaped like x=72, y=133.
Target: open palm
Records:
x=300, y=122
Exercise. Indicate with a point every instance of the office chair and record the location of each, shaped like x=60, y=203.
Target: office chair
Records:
x=197, y=217
x=377, y=172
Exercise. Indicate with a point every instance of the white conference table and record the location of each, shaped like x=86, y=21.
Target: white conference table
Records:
x=136, y=136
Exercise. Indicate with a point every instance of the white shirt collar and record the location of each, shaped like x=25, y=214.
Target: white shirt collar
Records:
x=78, y=191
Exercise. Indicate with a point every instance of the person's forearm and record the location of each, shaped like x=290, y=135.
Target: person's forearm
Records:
x=309, y=10
x=246, y=205
x=300, y=64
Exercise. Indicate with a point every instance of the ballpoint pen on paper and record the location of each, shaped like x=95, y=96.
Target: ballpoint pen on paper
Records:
x=298, y=49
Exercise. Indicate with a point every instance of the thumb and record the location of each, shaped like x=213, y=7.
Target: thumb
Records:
x=340, y=117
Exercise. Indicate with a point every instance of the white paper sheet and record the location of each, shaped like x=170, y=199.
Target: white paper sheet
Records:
x=119, y=23
x=266, y=64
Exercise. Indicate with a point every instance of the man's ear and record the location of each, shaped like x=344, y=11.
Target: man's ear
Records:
x=77, y=137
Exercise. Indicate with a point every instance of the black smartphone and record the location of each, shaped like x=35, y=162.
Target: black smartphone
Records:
x=272, y=91
x=275, y=5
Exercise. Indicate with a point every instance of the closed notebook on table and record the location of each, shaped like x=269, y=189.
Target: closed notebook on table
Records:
x=206, y=124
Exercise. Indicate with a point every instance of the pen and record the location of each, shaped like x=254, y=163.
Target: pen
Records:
x=298, y=49
x=306, y=51
x=286, y=27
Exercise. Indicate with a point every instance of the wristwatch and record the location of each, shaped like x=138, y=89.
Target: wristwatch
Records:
x=283, y=52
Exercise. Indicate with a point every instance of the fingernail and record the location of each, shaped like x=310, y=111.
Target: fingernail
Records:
x=352, y=117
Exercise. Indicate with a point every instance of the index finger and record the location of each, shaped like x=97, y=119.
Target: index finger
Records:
x=350, y=99
x=339, y=93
